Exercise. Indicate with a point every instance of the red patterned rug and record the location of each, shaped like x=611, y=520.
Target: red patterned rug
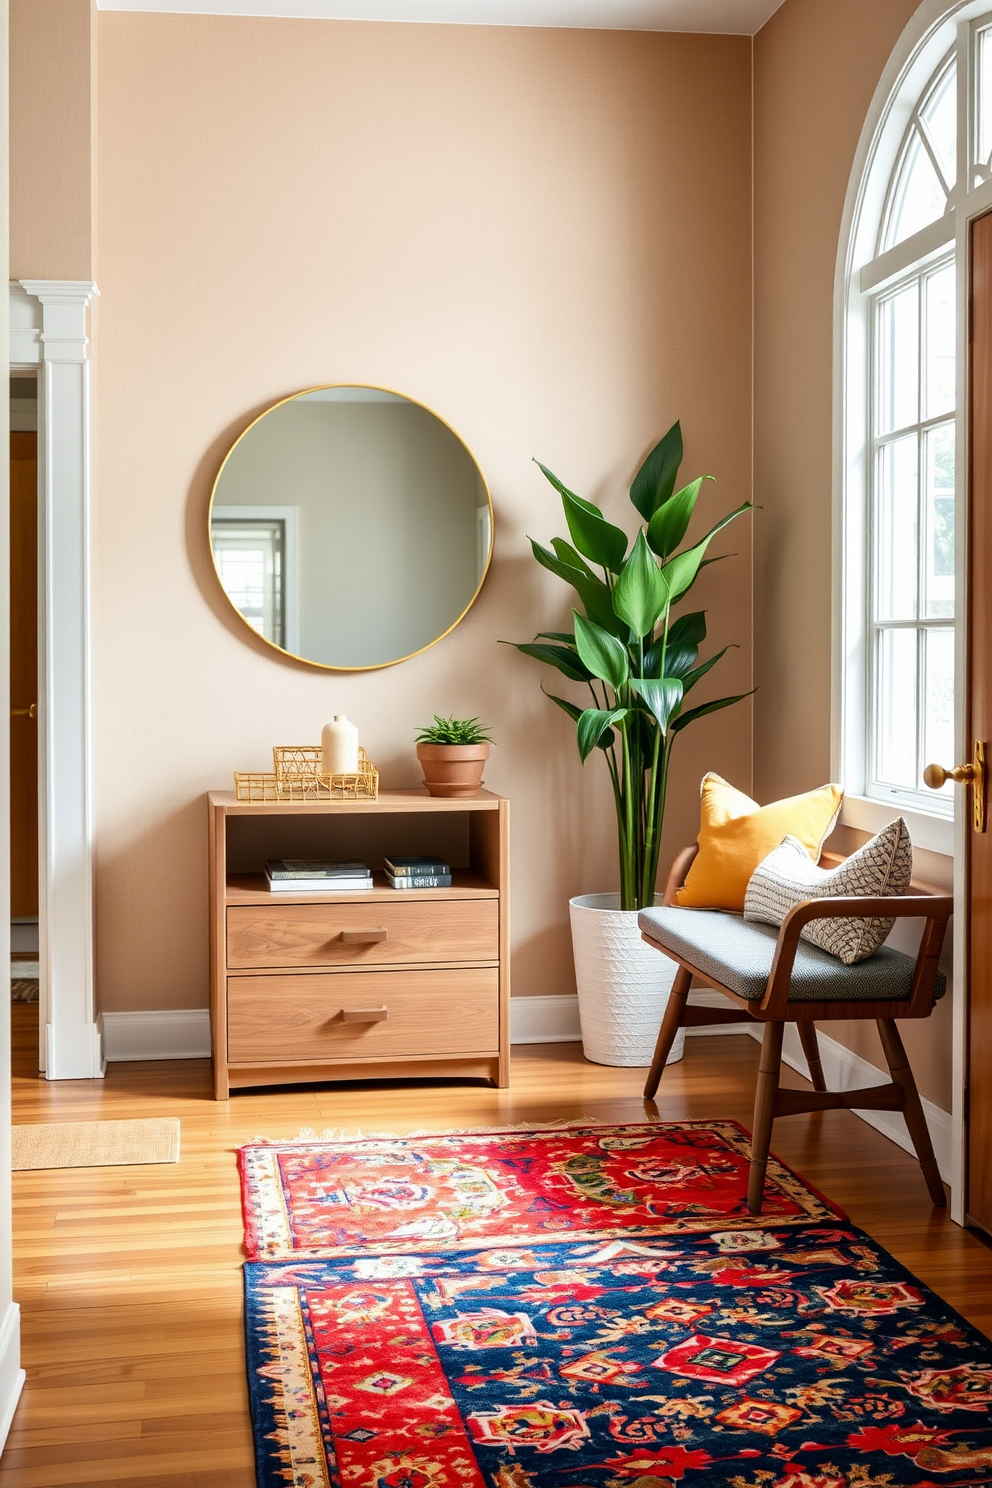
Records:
x=457, y=1190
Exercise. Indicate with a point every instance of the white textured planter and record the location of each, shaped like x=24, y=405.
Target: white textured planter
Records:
x=623, y=984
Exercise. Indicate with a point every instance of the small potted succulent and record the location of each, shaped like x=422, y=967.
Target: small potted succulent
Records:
x=453, y=754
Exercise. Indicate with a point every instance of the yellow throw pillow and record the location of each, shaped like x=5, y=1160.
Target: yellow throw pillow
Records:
x=735, y=834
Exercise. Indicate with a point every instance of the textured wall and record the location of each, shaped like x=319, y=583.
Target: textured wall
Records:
x=52, y=138
x=543, y=235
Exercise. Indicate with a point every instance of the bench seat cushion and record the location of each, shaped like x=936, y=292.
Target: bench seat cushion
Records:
x=739, y=955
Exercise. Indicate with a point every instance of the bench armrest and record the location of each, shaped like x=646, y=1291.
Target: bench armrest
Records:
x=935, y=909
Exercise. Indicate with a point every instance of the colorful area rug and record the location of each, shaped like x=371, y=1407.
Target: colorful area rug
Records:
x=751, y=1358
x=520, y=1187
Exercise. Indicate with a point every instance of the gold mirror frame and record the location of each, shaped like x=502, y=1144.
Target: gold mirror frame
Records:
x=324, y=666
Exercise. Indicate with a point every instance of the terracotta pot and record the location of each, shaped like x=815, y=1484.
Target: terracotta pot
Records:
x=453, y=769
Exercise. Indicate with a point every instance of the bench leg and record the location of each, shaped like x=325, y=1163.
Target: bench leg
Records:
x=764, y=1112
x=807, y=1037
x=670, y=1025
x=902, y=1076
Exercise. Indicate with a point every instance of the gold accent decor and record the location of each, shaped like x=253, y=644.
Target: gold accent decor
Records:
x=296, y=776
x=367, y=666
x=296, y=765
x=973, y=773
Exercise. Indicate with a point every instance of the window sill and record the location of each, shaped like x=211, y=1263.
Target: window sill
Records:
x=928, y=831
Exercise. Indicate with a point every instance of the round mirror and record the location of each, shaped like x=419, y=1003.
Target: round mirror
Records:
x=350, y=527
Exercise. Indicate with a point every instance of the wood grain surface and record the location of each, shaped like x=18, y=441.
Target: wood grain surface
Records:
x=979, y=1139
x=130, y=1279
x=311, y=934
x=271, y=1018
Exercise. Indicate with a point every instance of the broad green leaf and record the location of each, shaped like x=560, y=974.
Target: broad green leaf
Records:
x=691, y=678
x=593, y=725
x=557, y=565
x=550, y=475
x=606, y=739
x=654, y=483
x=567, y=554
x=684, y=719
x=690, y=629
x=561, y=657
x=678, y=659
x=652, y=660
x=680, y=572
x=567, y=636
x=670, y=522
x=592, y=591
x=570, y=496
x=684, y=637
x=662, y=696
x=595, y=537
x=602, y=653
x=598, y=604
x=573, y=712
x=640, y=593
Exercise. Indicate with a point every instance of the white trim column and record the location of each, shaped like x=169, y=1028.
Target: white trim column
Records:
x=73, y=1036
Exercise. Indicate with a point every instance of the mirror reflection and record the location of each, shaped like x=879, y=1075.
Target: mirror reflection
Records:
x=350, y=527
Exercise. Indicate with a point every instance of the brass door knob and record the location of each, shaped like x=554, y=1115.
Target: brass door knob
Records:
x=935, y=775
x=972, y=774
x=31, y=712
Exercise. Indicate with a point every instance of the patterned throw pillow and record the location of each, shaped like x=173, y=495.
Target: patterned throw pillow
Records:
x=788, y=876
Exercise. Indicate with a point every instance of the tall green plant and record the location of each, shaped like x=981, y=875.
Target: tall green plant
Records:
x=638, y=662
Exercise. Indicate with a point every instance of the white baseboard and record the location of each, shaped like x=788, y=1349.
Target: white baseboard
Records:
x=184, y=1033
x=11, y=1374
x=172, y=1033
x=544, y=1020
x=555, y=1020
x=845, y=1070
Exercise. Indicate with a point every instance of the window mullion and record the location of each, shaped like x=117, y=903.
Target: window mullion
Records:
x=924, y=135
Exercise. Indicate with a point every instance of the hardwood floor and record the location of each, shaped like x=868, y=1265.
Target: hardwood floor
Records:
x=129, y=1278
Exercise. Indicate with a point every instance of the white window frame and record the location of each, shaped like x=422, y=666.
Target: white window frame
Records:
x=862, y=272
x=289, y=516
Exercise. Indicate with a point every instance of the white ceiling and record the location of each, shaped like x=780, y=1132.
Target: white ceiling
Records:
x=736, y=17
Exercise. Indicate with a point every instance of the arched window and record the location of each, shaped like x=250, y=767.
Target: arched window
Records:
x=924, y=168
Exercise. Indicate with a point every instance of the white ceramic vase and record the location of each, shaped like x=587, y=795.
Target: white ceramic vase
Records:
x=339, y=746
x=623, y=984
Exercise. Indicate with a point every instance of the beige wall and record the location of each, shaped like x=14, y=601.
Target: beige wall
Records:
x=816, y=67
x=52, y=138
x=541, y=234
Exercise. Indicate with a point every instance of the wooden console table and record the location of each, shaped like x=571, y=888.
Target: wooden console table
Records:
x=387, y=983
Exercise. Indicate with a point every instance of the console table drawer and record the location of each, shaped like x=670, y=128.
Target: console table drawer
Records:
x=333, y=934
x=335, y=1017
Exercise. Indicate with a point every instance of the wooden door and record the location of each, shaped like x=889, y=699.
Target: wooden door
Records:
x=23, y=675
x=979, y=1055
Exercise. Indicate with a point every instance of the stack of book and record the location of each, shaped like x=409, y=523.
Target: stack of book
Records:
x=417, y=871
x=316, y=875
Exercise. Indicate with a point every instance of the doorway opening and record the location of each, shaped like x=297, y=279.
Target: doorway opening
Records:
x=24, y=856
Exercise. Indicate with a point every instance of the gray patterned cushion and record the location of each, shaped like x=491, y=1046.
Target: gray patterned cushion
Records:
x=788, y=876
x=739, y=955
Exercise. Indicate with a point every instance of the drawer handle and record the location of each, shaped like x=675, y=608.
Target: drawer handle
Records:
x=363, y=937
x=364, y=1015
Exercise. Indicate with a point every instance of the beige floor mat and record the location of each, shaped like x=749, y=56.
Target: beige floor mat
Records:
x=95, y=1144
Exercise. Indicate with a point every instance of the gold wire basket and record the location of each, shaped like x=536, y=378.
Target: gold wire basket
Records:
x=296, y=776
